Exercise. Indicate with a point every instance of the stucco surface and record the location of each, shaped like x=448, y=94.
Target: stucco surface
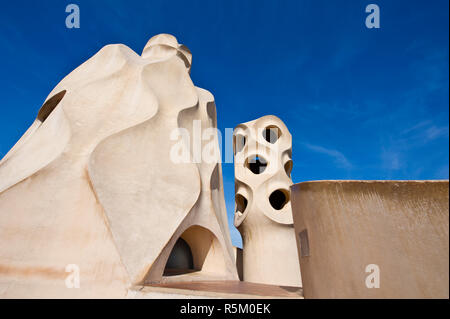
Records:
x=93, y=183
x=400, y=226
x=269, y=248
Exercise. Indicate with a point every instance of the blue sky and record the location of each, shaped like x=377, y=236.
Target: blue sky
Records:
x=360, y=103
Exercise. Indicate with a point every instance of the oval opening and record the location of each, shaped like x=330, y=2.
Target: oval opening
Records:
x=279, y=198
x=288, y=168
x=239, y=143
x=256, y=164
x=241, y=204
x=271, y=134
x=50, y=105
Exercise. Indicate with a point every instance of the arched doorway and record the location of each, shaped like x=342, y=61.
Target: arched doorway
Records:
x=208, y=259
x=180, y=260
x=196, y=252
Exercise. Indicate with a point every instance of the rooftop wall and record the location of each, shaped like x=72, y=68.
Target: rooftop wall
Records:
x=396, y=230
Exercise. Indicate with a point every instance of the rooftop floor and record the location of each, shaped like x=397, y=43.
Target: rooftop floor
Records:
x=217, y=289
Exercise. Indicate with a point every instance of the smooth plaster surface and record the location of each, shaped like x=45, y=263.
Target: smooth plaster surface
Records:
x=269, y=249
x=93, y=183
x=400, y=226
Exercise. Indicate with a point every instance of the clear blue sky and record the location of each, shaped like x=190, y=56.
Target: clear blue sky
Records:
x=360, y=103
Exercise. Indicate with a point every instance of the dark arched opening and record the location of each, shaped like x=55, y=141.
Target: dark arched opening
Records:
x=180, y=260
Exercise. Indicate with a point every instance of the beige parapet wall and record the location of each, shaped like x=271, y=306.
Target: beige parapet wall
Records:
x=263, y=215
x=396, y=230
x=92, y=186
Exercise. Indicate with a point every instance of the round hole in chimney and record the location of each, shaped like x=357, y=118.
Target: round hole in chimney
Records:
x=239, y=143
x=241, y=204
x=279, y=198
x=288, y=167
x=257, y=164
x=271, y=134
